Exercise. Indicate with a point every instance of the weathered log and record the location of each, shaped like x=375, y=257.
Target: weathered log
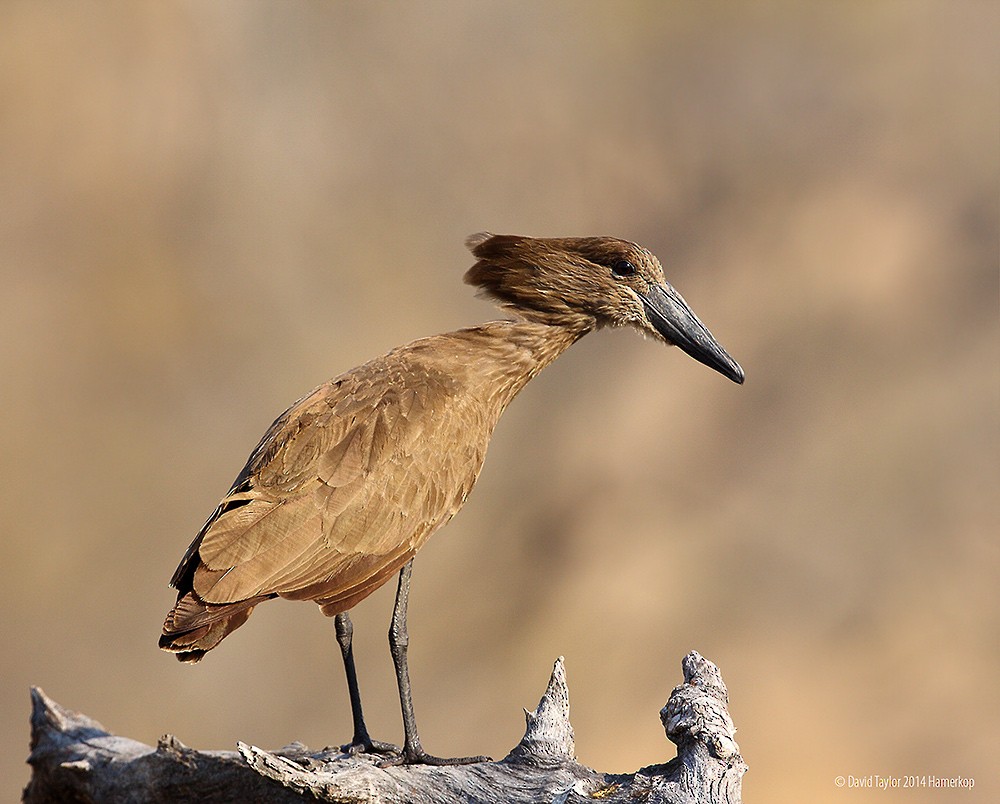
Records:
x=74, y=759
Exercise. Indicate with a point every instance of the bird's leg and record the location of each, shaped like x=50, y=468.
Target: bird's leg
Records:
x=399, y=640
x=361, y=740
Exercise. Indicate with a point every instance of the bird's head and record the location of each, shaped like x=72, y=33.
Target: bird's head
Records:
x=591, y=282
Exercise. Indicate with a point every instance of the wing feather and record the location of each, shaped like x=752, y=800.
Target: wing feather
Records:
x=240, y=534
x=339, y=494
x=253, y=576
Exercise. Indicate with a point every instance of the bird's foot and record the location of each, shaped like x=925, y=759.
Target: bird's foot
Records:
x=366, y=745
x=409, y=756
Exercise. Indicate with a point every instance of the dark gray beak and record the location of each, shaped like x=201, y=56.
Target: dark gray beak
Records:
x=674, y=320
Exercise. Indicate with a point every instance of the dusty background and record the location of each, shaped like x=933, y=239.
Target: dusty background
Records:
x=208, y=208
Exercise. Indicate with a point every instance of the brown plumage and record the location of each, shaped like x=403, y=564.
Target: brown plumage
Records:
x=352, y=479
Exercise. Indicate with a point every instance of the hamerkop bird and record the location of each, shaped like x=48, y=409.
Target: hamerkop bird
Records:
x=352, y=479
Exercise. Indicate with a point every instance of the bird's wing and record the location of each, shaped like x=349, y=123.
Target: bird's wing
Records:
x=342, y=490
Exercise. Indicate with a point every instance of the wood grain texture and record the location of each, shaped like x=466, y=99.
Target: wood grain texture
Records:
x=73, y=758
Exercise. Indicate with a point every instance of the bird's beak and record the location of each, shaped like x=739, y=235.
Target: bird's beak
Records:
x=674, y=320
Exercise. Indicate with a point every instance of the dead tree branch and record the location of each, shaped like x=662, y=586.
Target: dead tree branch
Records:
x=74, y=759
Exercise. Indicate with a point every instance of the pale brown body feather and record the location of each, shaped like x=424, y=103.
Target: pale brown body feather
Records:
x=351, y=480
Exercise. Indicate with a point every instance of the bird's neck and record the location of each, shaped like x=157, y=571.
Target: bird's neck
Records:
x=498, y=359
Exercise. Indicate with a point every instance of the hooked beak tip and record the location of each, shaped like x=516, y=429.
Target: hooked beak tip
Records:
x=717, y=358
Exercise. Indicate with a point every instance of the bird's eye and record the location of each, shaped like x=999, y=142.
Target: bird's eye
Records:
x=623, y=268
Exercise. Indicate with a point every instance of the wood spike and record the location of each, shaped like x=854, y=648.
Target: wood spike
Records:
x=548, y=736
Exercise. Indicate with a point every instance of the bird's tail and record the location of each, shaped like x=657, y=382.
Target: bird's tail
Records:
x=193, y=627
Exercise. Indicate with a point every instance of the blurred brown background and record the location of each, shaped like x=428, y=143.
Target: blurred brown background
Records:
x=208, y=208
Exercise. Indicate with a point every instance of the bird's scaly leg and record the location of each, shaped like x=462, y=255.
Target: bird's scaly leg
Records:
x=399, y=640
x=361, y=742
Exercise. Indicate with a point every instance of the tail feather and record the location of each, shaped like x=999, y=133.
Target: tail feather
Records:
x=192, y=627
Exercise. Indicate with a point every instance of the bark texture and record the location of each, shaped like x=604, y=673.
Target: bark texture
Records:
x=74, y=759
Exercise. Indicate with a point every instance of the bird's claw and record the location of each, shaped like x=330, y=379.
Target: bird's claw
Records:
x=410, y=757
x=369, y=746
